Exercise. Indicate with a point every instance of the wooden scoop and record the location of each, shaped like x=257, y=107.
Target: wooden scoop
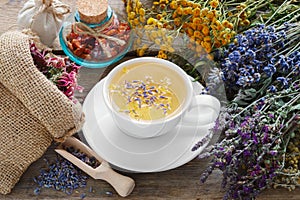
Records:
x=122, y=184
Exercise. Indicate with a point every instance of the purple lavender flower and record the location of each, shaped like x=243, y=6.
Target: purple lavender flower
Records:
x=269, y=70
x=256, y=57
x=235, y=56
x=272, y=88
x=250, y=54
x=284, y=81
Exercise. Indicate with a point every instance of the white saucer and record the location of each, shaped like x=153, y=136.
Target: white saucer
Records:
x=133, y=154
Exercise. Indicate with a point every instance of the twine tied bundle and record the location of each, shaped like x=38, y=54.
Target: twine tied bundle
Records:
x=33, y=112
x=44, y=17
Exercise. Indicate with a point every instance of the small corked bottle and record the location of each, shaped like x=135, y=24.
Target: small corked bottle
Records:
x=98, y=37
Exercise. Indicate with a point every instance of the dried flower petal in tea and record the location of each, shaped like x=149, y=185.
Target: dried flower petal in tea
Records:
x=145, y=100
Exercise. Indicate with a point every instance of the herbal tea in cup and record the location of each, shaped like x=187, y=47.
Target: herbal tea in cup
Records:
x=147, y=91
x=149, y=96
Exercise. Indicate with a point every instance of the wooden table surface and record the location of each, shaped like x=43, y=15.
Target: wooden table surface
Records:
x=180, y=183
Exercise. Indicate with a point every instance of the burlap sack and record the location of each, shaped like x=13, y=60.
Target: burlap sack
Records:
x=33, y=111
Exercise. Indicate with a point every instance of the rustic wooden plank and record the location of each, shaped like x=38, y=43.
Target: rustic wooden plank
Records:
x=180, y=183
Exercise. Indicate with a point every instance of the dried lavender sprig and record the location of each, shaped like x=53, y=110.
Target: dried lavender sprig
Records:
x=217, y=128
x=202, y=142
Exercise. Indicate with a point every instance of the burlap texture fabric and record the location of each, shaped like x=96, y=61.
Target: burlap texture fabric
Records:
x=33, y=111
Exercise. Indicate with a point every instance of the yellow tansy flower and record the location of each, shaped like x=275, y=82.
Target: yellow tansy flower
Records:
x=174, y=15
x=177, y=21
x=140, y=52
x=214, y=3
x=225, y=23
x=151, y=21
x=210, y=15
x=193, y=26
x=197, y=34
x=187, y=11
x=138, y=41
x=155, y=3
x=207, y=39
x=164, y=56
x=205, y=30
x=163, y=47
x=196, y=12
x=179, y=10
x=224, y=42
x=128, y=8
x=136, y=21
x=148, y=27
x=183, y=3
x=204, y=12
x=159, y=16
x=210, y=57
x=227, y=36
x=142, y=19
x=145, y=46
x=192, y=39
x=196, y=20
x=173, y=5
x=142, y=11
x=160, y=52
x=190, y=31
x=196, y=5
x=246, y=22
x=131, y=15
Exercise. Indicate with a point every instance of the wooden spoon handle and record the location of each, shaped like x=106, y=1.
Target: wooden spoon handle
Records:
x=122, y=184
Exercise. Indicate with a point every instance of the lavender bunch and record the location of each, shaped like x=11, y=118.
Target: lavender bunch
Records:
x=263, y=116
x=258, y=57
x=254, y=144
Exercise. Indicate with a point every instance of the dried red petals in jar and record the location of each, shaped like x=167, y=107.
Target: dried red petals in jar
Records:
x=99, y=43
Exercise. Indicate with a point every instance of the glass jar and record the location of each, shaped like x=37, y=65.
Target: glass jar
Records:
x=96, y=45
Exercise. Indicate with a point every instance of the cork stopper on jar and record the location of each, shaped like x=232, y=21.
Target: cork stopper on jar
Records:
x=92, y=11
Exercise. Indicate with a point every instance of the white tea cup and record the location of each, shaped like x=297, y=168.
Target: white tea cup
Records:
x=193, y=109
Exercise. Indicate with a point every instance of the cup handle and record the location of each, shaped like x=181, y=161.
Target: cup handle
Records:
x=203, y=110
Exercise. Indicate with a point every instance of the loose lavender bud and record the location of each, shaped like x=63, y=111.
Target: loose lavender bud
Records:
x=61, y=175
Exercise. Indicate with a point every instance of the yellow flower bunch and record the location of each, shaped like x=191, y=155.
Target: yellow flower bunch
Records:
x=150, y=30
x=205, y=23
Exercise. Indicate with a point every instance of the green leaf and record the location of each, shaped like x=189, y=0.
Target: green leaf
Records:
x=296, y=107
x=251, y=92
x=200, y=63
x=240, y=102
x=279, y=103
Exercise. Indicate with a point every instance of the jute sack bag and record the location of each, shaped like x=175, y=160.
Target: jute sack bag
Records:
x=33, y=112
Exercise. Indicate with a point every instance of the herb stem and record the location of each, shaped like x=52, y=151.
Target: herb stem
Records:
x=270, y=18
